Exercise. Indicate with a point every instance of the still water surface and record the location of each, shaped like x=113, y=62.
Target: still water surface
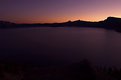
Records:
x=50, y=46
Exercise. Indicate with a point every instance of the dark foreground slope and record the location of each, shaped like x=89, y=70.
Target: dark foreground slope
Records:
x=78, y=71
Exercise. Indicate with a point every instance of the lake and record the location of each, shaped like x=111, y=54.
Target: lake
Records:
x=55, y=46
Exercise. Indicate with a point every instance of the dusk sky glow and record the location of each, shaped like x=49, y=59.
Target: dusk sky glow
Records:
x=50, y=11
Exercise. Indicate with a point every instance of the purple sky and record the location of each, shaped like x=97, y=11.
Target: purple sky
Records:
x=47, y=11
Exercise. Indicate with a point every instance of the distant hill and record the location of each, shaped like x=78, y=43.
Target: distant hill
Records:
x=114, y=23
x=7, y=24
x=109, y=23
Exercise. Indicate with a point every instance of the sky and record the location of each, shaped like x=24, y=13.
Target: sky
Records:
x=51, y=11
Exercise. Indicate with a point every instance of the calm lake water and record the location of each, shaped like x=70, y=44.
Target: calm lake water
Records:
x=47, y=45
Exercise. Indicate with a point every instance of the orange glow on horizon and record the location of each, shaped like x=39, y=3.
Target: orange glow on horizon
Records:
x=57, y=20
x=62, y=19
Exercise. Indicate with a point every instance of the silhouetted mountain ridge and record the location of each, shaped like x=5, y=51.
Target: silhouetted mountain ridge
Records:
x=113, y=23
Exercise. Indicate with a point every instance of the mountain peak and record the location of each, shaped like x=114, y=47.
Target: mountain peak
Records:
x=113, y=18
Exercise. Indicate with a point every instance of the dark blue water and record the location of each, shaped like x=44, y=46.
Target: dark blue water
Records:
x=52, y=46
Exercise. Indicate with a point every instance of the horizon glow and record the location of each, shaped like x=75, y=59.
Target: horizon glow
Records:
x=51, y=11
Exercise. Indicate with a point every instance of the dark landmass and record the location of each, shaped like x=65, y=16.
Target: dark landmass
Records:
x=112, y=23
x=77, y=71
x=6, y=24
